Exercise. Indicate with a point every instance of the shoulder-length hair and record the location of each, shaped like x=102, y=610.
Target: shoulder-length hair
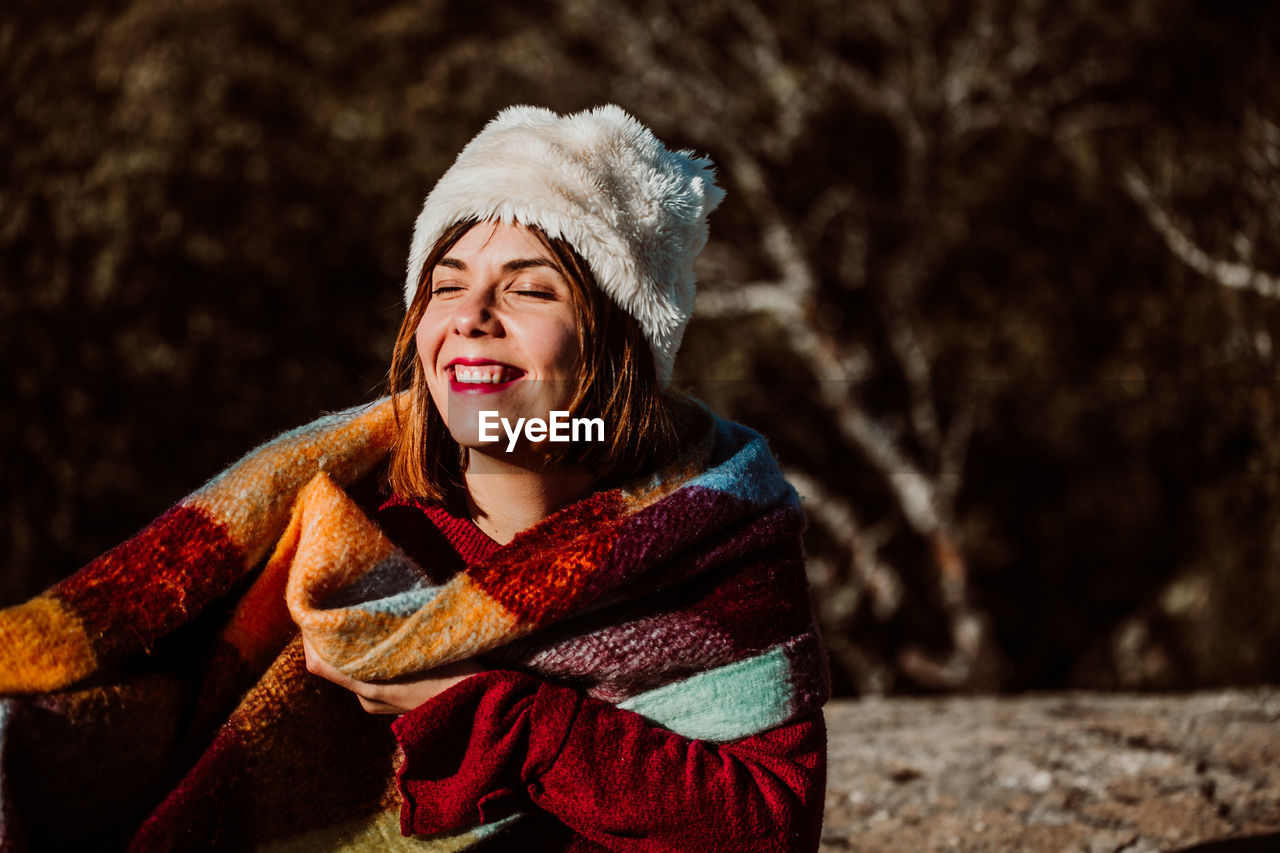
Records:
x=616, y=380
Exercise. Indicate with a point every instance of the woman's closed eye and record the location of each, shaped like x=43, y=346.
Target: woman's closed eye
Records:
x=537, y=292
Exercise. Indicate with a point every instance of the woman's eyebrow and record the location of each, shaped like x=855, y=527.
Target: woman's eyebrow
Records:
x=509, y=266
x=527, y=263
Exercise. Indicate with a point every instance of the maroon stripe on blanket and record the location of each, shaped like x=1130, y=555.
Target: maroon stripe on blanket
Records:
x=142, y=589
x=707, y=519
x=810, y=671
x=763, y=602
x=87, y=765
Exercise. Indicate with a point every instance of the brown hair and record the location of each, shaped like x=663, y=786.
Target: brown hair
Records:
x=616, y=380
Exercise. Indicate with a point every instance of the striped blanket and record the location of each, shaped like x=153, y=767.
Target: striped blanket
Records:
x=160, y=696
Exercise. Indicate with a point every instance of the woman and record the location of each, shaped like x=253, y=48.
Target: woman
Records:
x=506, y=317
x=602, y=643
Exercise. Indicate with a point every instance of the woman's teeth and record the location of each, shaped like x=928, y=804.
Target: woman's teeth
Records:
x=492, y=374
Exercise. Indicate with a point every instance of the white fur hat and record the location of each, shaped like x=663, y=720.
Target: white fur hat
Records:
x=599, y=179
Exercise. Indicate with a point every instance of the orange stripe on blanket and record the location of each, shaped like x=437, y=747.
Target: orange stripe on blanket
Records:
x=261, y=625
x=331, y=544
x=562, y=580
x=460, y=623
x=42, y=647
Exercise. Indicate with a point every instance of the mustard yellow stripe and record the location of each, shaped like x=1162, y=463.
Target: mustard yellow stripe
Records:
x=253, y=497
x=377, y=833
x=42, y=647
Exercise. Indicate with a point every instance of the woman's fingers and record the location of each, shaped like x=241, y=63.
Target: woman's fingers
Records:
x=375, y=707
x=317, y=665
x=368, y=694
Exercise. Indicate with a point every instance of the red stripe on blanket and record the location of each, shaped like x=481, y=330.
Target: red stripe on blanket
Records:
x=560, y=548
x=141, y=590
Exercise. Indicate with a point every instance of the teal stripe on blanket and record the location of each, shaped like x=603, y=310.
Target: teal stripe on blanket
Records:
x=723, y=704
x=394, y=586
x=751, y=473
x=468, y=838
x=485, y=830
x=404, y=604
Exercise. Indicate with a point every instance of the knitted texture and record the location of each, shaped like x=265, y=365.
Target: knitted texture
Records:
x=681, y=597
x=593, y=777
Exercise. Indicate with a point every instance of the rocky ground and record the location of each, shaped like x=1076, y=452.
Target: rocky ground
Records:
x=1101, y=773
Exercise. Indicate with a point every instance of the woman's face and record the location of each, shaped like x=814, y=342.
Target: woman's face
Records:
x=500, y=332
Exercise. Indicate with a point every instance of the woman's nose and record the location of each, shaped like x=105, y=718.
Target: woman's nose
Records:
x=474, y=316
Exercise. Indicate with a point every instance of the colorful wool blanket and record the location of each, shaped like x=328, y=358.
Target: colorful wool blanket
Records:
x=160, y=696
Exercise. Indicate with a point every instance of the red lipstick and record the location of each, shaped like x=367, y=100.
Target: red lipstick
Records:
x=498, y=377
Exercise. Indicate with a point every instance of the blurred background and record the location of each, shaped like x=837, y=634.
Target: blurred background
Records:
x=999, y=280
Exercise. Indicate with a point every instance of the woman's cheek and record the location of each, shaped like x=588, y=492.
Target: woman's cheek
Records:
x=566, y=353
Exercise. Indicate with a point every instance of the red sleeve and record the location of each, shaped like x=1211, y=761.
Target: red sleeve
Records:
x=501, y=740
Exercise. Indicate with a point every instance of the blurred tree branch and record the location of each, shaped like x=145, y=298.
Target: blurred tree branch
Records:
x=1229, y=274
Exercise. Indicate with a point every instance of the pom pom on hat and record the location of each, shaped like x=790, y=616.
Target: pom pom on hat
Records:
x=599, y=179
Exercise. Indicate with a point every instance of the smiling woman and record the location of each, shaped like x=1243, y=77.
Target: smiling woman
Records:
x=585, y=644
x=533, y=297
x=496, y=324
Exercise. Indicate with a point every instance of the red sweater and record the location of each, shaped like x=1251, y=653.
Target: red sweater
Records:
x=594, y=776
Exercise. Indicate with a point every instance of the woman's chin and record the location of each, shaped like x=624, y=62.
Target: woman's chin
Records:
x=522, y=456
x=468, y=438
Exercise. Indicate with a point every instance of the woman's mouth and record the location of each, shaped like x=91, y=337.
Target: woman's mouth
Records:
x=482, y=377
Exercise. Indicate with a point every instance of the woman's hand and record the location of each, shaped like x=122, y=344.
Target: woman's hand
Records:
x=393, y=697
